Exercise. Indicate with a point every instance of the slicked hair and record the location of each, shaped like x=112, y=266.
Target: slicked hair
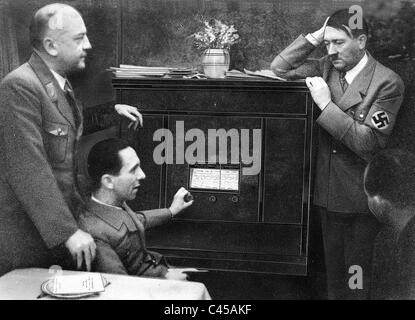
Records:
x=104, y=158
x=391, y=175
x=340, y=20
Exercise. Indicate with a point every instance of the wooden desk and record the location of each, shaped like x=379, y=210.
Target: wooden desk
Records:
x=24, y=284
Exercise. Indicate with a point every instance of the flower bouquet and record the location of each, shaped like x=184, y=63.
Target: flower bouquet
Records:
x=215, y=39
x=216, y=35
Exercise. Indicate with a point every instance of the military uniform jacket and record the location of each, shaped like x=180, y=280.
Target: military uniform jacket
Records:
x=38, y=141
x=353, y=127
x=120, y=238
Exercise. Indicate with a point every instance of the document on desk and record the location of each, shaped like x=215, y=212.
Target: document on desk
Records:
x=264, y=73
x=74, y=284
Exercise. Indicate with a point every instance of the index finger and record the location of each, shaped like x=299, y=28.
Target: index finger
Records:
x=87, y=256
x=129, y=116
x=137, y=114
x=181, y=190
x=140, y=118
x=79, y=259
x=92, y=249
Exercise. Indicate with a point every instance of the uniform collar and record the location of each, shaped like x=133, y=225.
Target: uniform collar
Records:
x=51, y=85
x=112, y=215
x=358, y=88
x=352, y=73
x=61, y=80
x=42, y=70
x=105, y=204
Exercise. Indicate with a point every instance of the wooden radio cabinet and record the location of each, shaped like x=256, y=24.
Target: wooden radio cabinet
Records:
x=251, y=222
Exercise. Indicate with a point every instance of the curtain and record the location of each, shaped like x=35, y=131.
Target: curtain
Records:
x=9, y=58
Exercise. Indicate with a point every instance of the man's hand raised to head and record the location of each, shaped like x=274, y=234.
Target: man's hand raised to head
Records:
x=81, y=245
x=319, y=34
x=179, y=202
x=131, y=113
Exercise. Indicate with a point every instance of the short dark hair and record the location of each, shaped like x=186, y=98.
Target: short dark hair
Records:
x=104, y=158
x=340, y=20
x=391, y=175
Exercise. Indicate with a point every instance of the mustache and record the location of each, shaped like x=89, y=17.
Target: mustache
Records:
x=333, y=57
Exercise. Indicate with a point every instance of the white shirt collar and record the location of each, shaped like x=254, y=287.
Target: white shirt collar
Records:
x=61, y=80
x=104, y=204
x=352, y=73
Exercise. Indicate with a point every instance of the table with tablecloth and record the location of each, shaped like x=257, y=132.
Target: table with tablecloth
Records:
x=25, y=284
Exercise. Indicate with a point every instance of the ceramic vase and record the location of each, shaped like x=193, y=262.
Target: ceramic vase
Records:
x=215, y=62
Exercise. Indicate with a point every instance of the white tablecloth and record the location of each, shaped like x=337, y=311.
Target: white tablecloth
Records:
x=24, y=284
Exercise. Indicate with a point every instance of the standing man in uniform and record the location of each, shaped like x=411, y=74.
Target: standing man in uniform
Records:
x=40, y=127
x=359, y=99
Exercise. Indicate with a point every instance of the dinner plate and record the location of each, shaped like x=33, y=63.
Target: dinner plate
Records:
x=47, y=288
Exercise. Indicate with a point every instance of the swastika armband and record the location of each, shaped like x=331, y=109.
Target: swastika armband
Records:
x=380, y=120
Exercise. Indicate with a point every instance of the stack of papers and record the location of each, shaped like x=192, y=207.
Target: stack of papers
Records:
x=74, y=286
x=236, y=74
x=181, y=72
x=264, y=73
x=77, y=284
x=252, y=74
x=130, y=71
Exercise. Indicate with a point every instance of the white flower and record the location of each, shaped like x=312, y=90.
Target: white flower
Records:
x=216, y=35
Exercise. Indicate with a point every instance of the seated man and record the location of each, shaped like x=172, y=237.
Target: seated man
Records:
x=119, y=231
x=390, y=186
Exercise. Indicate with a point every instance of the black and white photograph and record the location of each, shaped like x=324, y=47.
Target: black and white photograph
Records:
x=220, y=151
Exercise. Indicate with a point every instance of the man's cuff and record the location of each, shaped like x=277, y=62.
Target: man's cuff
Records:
x=334, y=121
x=312, y=40
x=325, y=105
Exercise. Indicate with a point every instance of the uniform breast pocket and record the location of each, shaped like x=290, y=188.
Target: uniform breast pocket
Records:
x=56, y=140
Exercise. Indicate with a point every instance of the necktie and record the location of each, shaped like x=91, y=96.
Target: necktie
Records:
x=343, y=81
x=72, y=102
